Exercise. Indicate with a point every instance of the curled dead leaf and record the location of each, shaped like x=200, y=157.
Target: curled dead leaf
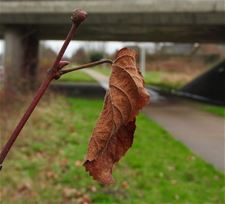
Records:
x=51, y=175
x=92, y=188
x=68, y=193
x=125, y=185
x=86, y=199
x=78, y=163
x=27, y=186
x=64, y=164
x=113, y=134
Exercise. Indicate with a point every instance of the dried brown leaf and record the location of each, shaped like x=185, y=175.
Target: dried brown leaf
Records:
x=113, y=134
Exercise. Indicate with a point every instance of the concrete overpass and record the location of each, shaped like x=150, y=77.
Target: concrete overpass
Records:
x=122, y=20
x=23, y=23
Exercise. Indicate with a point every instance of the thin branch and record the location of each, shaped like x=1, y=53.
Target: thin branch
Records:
x=77, y=17
x=92, y=64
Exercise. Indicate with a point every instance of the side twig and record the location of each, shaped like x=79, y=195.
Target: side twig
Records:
x=92, y=64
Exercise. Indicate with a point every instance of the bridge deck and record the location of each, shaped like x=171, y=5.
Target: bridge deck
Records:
x=152, y=20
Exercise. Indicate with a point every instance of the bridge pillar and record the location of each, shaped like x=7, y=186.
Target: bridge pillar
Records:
x=21, y=58
x=142, y=59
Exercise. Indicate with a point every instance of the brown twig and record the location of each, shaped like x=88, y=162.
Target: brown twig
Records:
x=92, y=64
x=77, y=17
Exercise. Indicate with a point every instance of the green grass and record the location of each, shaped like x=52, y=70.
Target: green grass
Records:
x=216, y=110
x=104, y=70
x=44, y=165
x=161, y=79
x=77, y=76
x=154, y=78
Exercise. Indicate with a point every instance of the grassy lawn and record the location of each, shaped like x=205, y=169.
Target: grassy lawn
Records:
x=164, y=80
x=216, y=110
x=77, y=76
x=104, y=70
x=45, y=164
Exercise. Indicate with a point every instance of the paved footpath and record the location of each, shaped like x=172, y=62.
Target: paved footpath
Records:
x=100, y=78
x=202, y=132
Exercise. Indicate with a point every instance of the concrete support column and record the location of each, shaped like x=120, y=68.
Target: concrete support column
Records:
x=142, y=60
x=21, y=58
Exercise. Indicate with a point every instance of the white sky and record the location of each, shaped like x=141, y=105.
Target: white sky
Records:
x=1, y=46
x=109, y=47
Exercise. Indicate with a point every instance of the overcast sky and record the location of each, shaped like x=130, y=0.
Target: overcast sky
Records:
x=109, y=47
x=1, y=46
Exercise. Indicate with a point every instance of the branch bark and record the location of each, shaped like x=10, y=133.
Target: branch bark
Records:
x=77, y=17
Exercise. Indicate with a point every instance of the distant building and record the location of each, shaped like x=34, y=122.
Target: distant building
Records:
x=176, y=49
x=192, y=49
x=209, y=49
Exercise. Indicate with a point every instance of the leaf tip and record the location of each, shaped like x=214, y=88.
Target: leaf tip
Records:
x=102, y=176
